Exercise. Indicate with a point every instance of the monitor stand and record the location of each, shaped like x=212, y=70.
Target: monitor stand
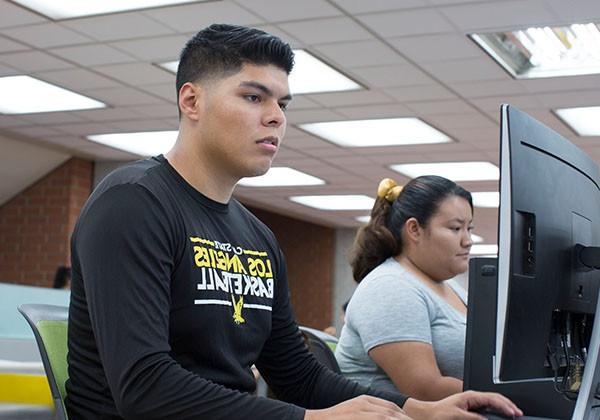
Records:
x=588, y=404
x=536, y=398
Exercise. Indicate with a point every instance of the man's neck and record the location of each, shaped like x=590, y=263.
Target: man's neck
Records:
x=200, y=174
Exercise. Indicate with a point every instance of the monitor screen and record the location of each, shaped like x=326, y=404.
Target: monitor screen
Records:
x=549, y=203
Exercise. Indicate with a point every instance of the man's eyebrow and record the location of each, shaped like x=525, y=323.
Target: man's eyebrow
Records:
x=264, y=89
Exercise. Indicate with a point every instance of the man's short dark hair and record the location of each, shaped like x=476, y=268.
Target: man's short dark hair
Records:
x=221, y=49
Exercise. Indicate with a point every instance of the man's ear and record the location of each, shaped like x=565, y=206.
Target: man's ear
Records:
x=412, y=230
x=189, y=100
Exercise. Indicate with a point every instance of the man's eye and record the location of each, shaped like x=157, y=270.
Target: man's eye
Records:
x=253, y=98
x=283, y=106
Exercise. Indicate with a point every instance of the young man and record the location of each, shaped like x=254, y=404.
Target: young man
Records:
x=178, y=290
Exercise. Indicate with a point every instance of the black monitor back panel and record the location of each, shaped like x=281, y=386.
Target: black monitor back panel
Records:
x=537, y=398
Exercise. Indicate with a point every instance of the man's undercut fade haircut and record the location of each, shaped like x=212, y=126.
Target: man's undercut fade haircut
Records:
x=221, y=50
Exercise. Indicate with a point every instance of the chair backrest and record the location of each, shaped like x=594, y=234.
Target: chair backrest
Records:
x=322, y=346
x=49, y=325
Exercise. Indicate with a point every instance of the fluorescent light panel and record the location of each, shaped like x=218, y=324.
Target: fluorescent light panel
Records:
x=487, y=199
x=476, y=238
x=25, y=95
x=335, y=202
x=585, y=121
x=377, y=132
x=484, y=249
x=310, y=75
x=537, y=52
x=456, y=171
x=148, y=143
x=64, y=9
x=281, y=177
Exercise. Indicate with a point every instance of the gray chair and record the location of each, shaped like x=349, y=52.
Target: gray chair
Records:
x=322, y=346
x=49, y=325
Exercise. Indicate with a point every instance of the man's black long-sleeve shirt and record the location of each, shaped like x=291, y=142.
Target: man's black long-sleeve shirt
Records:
x=174, y=297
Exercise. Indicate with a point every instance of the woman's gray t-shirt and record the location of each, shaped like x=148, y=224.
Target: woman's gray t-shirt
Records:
x=391, y=305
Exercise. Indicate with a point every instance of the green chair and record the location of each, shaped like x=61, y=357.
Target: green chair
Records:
x=49, y=325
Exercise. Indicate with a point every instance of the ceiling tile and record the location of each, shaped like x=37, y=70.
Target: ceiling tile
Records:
x=570, y=99
x=485, y=88
x=420, y=93
x=8, y=45
x=118, y=26
x=31, y=61
x=436, y=47
x=312, y=115
x=407, y=22
x=467, y=70
x=302, y=102
x=109, y=114
x=326, y=30
x=46, y=35
x=13, y=15
x=361, y=97
x=360, y=53
x=574, y=12
x=156, y=49
x=456, y=106
x=390, y=76
x=164, y=90
x=280, y=11
x=136, y=74
x=362, y=6
x=52, y=118
x=124, y=96
x=77, y=79
x=493, y=103
x=375, y=111
x=504, y=14
x=194, y=17
x=555, y=84
x=93, y=55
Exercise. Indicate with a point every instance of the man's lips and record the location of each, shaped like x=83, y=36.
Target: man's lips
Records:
x=274, y=141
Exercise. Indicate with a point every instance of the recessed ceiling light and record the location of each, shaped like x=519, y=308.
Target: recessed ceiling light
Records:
x=148, y=143
x=484, y=249
x=25, y=95
x=486, y=199
x=64, y=9
x=476, y=238
x=363, y=219
x=545, y=51
x=281, y=177
x=379, y=132
x=335, y=202
x=456, y=171
x=585, y=121
x=310, y=75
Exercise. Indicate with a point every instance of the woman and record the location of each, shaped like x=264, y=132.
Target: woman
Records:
x=405, y=324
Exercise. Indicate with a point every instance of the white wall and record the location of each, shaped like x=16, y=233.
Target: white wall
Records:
x=344, y=284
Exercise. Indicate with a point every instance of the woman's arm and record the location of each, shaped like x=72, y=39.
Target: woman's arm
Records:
x=412, y=367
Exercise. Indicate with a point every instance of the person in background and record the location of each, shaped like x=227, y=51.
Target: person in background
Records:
x=62, y=278
x=405, y=325
x=178, y=289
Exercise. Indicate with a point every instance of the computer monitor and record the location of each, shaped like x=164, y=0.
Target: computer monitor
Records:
x=549, y=224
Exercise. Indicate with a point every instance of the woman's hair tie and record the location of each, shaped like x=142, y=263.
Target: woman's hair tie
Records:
x=389, y=190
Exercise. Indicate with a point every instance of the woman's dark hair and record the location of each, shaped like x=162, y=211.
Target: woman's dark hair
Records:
x=62, y=276
x=222, y=49
x=381, y=239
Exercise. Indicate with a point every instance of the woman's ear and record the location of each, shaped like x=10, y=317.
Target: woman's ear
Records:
x=412, y=230
x=189, y=100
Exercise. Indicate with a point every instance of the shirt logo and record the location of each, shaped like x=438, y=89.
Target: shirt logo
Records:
x=232, y=276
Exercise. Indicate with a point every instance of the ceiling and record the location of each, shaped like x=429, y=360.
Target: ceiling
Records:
x=413, y=57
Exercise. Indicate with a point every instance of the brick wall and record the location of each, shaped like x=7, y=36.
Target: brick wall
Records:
x=36, y=225
x=309, y=253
